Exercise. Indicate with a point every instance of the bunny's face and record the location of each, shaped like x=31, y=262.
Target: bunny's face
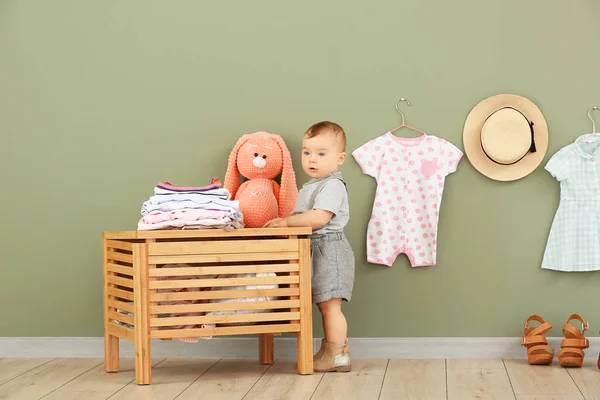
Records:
x=263, y=155
x=260, y=157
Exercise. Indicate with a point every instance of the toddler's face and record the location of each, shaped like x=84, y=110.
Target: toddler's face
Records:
x=321, y=155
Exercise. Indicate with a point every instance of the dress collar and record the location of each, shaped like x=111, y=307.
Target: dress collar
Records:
x=582, y=152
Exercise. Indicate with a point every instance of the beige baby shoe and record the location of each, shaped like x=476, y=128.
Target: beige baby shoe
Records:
x=320, y=352
x=332, y=357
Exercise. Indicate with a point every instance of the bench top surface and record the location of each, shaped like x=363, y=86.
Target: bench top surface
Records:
x=203, y=233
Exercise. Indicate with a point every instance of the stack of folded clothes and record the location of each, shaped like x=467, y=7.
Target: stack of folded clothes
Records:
x=188, y=207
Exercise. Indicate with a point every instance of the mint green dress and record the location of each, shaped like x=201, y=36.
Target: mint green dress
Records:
x=574, y=241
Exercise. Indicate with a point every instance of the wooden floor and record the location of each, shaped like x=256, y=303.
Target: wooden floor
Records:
x=85, y=379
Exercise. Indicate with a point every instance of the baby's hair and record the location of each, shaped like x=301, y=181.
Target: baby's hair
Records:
x=324, y=127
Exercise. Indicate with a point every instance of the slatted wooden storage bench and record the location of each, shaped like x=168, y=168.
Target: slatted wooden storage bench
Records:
x=135, y=272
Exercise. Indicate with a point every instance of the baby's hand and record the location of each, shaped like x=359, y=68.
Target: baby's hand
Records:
x=276, y=223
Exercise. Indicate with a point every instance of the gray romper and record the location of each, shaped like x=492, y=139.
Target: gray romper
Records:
x=332, y=258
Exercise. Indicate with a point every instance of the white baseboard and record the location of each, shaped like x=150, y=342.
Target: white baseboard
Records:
x=285, y=347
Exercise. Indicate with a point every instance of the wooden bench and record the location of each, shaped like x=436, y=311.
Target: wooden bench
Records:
x=138, y=281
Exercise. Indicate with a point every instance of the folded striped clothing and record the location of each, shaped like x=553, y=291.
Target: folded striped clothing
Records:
x=186, y=214
x=231, y=206
x=200, y=198
x=179, y=223
x=222, y=194
x=165, y=187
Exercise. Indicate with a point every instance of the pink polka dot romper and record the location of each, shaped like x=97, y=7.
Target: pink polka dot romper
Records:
x=410, y=174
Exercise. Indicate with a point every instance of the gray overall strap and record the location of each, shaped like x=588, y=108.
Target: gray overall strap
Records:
x=318, y=189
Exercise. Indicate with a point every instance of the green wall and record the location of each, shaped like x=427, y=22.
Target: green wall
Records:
x=101, y=100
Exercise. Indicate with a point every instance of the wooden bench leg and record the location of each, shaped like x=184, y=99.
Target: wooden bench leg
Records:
x=111, y=343
x=266, y=350
x=305, y=353
x=305, y=336
x=143, y=363
x=111, y=353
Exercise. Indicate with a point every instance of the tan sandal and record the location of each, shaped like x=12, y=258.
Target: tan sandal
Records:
x=534, y=339
x=571, y=353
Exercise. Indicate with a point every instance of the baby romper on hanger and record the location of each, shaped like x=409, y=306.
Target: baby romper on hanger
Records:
x=410, y=174
x=574, y=241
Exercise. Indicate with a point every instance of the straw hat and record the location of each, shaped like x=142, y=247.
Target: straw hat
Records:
x=505, y=137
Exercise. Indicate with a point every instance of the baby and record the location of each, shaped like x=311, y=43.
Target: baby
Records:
x=322, y=204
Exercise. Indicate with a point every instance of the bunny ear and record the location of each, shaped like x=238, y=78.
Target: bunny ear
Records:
x=232, y=176
x=288, y=192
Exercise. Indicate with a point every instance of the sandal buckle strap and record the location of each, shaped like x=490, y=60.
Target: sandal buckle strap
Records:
x=537, y=339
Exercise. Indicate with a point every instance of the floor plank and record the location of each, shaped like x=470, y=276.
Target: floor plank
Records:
x=169, y=379
x=587, y=378
x=282, y=382
x=96, y=384
x=550, y=397
x=414, y=380
x=363, y=382
x=12, y=367
x=538, y=380
x=46, y=378
x=478, y=379
x=228, y=380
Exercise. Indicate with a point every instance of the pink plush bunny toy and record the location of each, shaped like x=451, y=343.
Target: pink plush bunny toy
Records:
x=261, y=157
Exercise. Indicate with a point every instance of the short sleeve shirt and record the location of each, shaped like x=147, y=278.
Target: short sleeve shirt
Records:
x=327, y=193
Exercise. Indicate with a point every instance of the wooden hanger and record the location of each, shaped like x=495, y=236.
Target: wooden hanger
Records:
x=403, y=124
